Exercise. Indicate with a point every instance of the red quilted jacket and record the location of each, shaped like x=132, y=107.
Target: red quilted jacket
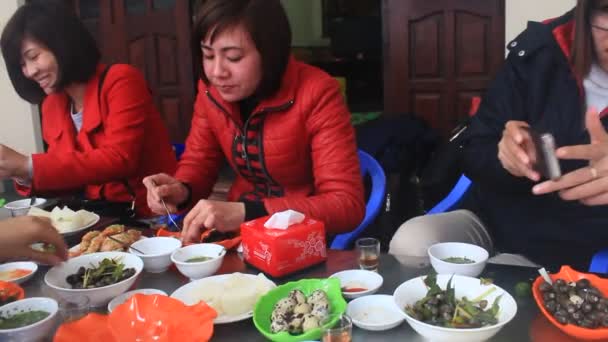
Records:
x=123, y=138
x=300, y=151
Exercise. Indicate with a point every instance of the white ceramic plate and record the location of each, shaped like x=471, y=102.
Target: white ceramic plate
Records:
x=369, y=280
x=125, y=296
x=78, y=230
x=375, y=312
x=187, y=295
x=75, y=248
x=25, y=265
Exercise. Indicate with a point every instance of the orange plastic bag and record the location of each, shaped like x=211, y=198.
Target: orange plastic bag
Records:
x=143, y=318
x=205, y=235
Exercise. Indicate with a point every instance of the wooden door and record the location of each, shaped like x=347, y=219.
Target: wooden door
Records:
x=154, y=36
x=438, y=54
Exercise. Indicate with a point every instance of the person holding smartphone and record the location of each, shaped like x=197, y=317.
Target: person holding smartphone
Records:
x=556, y=70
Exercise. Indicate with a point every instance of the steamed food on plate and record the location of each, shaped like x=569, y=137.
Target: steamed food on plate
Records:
x=65, y=220
x=235, y=295
x=298, y=314
x=442, y=308
x=99, y=241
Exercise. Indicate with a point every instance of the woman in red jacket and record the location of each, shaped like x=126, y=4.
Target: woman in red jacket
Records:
x=102, y=129
x=282, y=126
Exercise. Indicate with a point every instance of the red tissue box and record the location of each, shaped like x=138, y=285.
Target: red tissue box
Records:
x=279, y=252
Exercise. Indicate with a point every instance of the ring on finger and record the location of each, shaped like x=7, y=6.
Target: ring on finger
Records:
x=593, y=172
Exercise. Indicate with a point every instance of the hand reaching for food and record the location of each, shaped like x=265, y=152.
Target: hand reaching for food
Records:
x=223, y=216
x=164, y=187
x=516, y=150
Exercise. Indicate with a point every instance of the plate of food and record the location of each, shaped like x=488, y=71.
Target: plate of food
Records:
x=67, y=221
x=17, y=272
x=114, y=238
x=233, y=296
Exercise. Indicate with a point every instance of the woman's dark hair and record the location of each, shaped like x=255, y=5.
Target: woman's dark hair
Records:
x=582, y=49
x=54, y=25
x=268, y=26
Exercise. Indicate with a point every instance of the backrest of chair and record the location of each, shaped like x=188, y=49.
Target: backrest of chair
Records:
x=371, y=167
x=178, y=148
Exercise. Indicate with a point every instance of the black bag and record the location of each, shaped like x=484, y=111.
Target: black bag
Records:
x=444, y=168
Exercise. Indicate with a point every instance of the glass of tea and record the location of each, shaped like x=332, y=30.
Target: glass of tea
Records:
x=73, y=308
x=342, y=331
x=368, y=253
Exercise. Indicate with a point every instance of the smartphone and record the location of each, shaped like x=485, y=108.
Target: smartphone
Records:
x=547, y=163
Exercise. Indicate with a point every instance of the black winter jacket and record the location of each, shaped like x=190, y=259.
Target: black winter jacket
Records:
x=535, y=85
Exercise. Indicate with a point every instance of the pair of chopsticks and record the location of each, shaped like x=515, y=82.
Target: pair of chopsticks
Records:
x=170, y=217
x=125, y=244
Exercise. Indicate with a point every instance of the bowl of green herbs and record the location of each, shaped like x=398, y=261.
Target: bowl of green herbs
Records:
x=99, y=276
x=458, y=258
x=30, y=319
x=454, y=308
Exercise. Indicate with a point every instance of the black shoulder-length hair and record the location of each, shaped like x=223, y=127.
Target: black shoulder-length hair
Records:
x=267, y=24
x=583, y=51
x=54, y=25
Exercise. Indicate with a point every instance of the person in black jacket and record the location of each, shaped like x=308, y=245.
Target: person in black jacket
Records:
x=555, y=75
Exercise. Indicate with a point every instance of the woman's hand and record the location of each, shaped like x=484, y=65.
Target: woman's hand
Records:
x=19, y=233
x=588, y=184
x=164, y=187
x=12, y=163
x=223, y=216
x=516, y=150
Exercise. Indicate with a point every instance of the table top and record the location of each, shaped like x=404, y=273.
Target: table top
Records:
x=394, y=274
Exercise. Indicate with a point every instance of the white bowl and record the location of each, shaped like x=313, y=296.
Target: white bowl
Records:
x=33, y=332
x=198, y=270
x=375, y=312
x=125, y=296
x=158, y=250
x=359, y=278
x=440, y=251
x=414, y=289
x=24, y=265
x=21, y=207
x=55, y=278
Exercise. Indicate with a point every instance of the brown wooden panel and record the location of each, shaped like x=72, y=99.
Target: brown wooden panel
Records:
x=137, y=54
x=426, y=49
x=430, y=105
x=472, y=44
x=165, y=52
x=171, y=109
x=436, y=51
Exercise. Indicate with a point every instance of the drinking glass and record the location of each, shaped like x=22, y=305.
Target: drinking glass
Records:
x=340, y=332
x=73, y=308
x=368, y=253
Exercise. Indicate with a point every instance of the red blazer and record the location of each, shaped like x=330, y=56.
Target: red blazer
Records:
x=122, y=138
x=300, y=151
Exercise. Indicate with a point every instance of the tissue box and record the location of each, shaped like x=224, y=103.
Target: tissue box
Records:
x=279, y=252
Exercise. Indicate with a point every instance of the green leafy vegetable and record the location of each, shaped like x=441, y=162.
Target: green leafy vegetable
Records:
x=440, y=307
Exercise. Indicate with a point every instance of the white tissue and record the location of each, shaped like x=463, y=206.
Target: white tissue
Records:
x=284, y=219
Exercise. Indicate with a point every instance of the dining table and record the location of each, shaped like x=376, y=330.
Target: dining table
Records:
x=528, y=324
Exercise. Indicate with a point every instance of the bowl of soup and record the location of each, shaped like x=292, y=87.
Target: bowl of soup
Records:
x=30, y=319
x=458, y=258
x=199, y=260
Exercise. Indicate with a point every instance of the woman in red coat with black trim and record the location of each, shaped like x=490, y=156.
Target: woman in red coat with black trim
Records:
x=102, y=129
x=282, y=126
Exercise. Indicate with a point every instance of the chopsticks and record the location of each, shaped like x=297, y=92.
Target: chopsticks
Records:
x=169, y=216
x=125, y=244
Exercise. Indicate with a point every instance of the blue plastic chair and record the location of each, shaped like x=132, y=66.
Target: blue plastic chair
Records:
x=453, y=197
x=599, y=262
x=179, y=150
x=369, y=166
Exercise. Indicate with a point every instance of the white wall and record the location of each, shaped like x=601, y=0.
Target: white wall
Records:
x=306, y=22
x=19, y=123
x=519, y=12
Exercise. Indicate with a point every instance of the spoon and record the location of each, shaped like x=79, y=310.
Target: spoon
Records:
x=545, y=275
